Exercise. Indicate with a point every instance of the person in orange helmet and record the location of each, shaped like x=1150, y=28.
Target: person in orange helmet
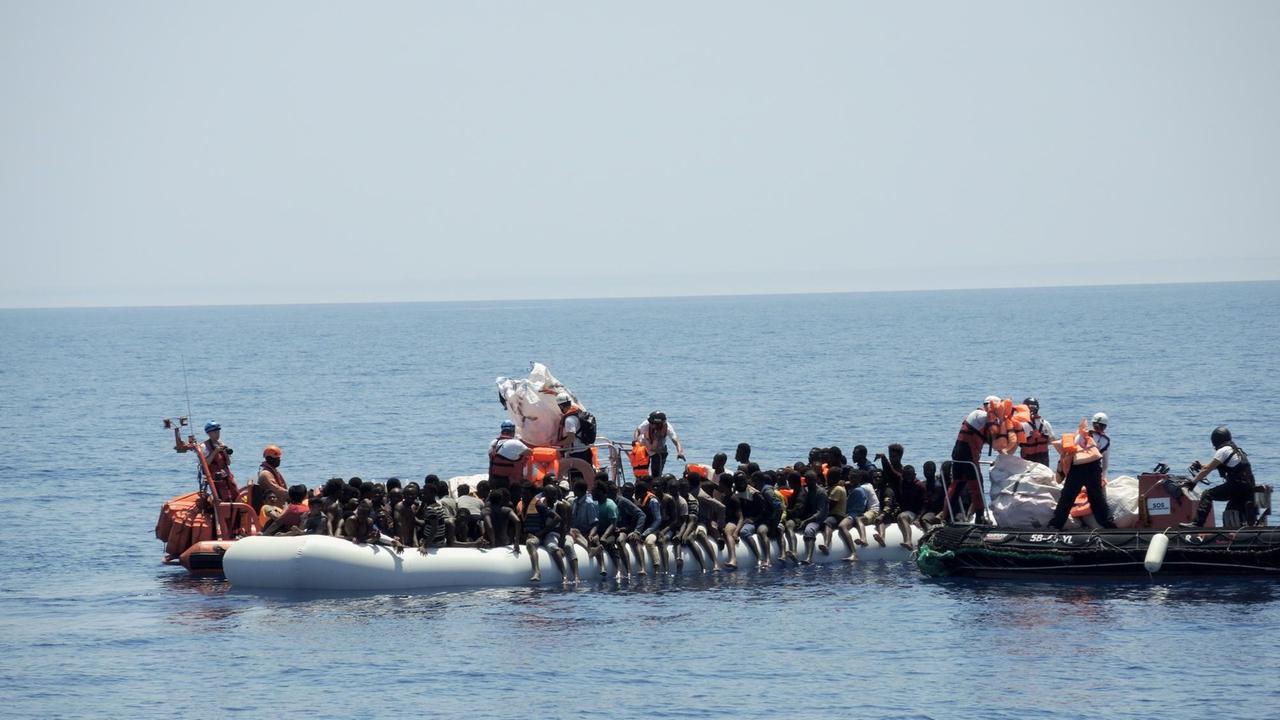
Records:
x=270, y=487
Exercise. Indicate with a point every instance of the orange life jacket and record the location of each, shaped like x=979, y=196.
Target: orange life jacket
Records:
x=639, y=458
x=1072, y=444
x=973, y=437
x=1035, y=442
x=501, y=466
x=702, y=471
x=543, y=461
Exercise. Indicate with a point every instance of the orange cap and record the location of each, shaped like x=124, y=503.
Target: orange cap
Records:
x=272, y=451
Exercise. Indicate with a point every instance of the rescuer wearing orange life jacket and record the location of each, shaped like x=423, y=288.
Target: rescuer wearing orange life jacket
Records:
x=1081, y=466
x=270, y=484
x=1037, y=433
x=218, y=457
x=983, y=426
x=508, y=456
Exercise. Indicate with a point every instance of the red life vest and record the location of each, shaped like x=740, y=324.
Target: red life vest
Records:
x=292, y=516
x=974, y=438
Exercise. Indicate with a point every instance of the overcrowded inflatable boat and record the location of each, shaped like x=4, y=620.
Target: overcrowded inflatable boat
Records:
x=320, y=562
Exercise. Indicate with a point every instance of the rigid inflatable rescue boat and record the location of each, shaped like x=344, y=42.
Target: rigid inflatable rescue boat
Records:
x=321, y=562
x=980, y=551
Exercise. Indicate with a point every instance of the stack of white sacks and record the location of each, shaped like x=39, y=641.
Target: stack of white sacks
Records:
x=1024, y=494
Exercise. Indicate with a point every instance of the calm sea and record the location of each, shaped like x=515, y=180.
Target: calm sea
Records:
x=92, y=625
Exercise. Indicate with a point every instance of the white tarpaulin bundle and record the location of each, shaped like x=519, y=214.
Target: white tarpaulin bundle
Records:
x=531, y=405
x=1024, y=494
x=1122, y=500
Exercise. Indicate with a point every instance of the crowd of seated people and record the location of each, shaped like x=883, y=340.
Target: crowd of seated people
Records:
x=646, y=525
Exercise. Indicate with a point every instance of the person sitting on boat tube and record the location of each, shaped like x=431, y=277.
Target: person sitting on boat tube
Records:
x=539, y=525
x=653, y=434
x=508, y=458
x=1233, y=465
x=218, y=457
x=290, y=520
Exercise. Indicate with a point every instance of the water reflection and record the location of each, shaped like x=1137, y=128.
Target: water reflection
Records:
x=1079, y=593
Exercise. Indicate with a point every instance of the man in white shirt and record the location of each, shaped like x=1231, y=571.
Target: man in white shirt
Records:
x=653, y=434
x=571, y=429
x=1102, y=440
x=1037, y=434
x=508, y=456
x=1233, y=465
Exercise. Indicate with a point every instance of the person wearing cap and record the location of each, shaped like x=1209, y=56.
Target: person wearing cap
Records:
x=979, y=428
x=508, y=456
x=571, y=428
x=218, y=457
x=1082, y=467
x=1100, y=438
x=653, y=434
x=1037, y=433
x=270, y=486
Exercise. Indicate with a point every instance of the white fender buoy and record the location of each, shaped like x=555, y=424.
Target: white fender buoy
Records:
x=1155, y=553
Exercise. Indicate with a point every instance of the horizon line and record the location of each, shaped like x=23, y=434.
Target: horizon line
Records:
x=878, y=291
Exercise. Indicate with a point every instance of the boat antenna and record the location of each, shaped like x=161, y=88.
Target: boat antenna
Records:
x=185, y=386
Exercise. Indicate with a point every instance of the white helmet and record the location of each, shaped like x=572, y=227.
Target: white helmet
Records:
x=563, y=399
x=991, y=401
x=1101, y=419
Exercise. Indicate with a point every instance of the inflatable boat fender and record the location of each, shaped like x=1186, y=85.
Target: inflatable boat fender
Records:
x=1154, y=559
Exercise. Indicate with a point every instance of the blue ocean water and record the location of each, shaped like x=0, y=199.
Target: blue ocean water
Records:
x=91, y=624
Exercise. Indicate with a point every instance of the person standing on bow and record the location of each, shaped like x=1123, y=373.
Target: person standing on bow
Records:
x=653, y=434
x=216, y=455
x=1037, y=433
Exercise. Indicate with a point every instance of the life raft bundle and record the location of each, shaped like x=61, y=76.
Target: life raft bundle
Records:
x=987, y=551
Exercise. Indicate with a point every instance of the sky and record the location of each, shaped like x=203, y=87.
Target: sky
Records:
x=174, y=153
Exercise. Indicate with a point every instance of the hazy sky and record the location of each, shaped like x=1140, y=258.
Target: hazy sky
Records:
x=175, y=153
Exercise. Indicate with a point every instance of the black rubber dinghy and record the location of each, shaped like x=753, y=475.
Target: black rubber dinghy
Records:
x=987, y=551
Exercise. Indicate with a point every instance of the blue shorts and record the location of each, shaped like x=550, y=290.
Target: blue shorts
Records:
x=551, y=540
x=811, y=530
x=747, y=530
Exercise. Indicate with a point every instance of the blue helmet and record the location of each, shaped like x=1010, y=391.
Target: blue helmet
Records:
x=508, y=426
x=211, y=426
